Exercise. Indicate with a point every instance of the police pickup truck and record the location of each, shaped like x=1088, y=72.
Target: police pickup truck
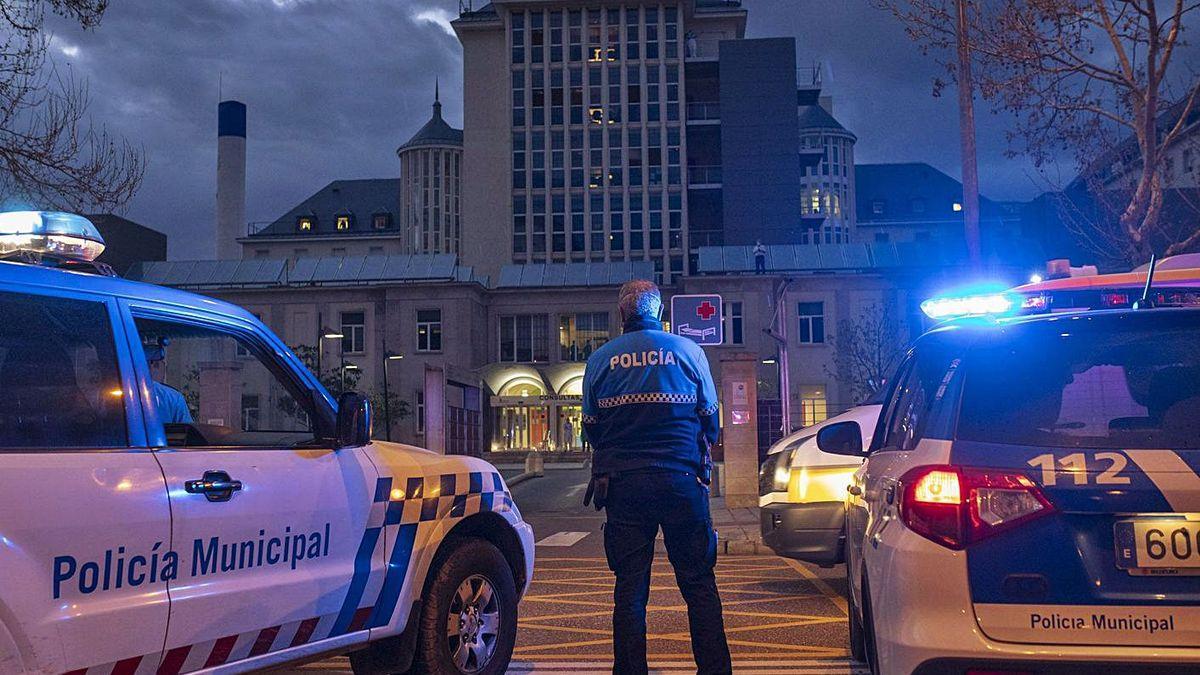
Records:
x=179, y=494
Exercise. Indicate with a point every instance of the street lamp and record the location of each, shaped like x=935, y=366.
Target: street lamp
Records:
x=322, y=335
x=387, y=403
x=345, y=367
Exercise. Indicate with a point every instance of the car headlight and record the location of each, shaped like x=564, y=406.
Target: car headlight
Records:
x=775, y=473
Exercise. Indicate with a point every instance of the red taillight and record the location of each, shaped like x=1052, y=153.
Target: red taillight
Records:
x=956, y=506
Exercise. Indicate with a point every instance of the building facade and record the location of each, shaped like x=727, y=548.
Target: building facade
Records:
x=827, y=192
x=623, y=131
x=431, y=186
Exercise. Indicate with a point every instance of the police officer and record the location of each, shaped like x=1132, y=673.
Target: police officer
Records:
x=650, y=412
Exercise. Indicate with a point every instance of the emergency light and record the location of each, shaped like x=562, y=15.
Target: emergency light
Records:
x=991, y=304
x=54, y=233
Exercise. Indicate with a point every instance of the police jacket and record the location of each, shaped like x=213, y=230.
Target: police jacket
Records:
x=649, y=401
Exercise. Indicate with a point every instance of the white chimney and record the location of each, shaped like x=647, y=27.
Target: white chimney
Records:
x=231, y=178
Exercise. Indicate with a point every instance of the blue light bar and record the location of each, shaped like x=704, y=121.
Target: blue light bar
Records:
x=991, y=304
x=50, y=232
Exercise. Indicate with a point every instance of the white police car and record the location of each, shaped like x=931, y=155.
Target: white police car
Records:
x=179, y=494
x=1030, y=500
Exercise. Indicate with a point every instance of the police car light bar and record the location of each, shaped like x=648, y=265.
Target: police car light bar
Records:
x=54, y=233
x=991, y=304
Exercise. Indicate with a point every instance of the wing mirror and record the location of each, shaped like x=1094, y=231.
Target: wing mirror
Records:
x=843, y=438
x=353, y=420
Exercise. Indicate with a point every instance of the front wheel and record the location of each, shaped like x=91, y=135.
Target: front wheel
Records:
x=469, y=617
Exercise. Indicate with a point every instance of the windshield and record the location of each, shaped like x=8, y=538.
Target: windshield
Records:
x=1101, y=384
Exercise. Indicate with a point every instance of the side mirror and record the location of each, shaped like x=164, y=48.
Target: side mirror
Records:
x=353, y=421
x=843, y=438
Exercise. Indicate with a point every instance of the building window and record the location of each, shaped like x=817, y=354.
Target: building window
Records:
x=918, y=205
x=354, y=332
x=420, y=411
x=812, y=322
x=581, y=334
x=523, y=338
x=250, y=412
x=429, y=330
x=343, y=223
x=338, y=251
x=306, y=223
x=381, y=221
x=734, y=334
x=814, y=407
x=877, y=207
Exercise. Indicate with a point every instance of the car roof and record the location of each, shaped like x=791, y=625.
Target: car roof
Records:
x=967, y=330
x=74, y=281
x=1137, y=279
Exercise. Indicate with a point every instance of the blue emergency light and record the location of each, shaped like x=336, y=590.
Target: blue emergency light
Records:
x=53, y=233
x=961, y=306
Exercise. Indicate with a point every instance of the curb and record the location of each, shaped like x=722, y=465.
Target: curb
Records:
x=522, y=477
x=742, y=547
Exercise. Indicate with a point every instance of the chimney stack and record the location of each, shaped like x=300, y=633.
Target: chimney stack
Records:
x=231, y=178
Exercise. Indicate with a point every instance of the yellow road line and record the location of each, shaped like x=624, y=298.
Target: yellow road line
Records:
x=821, y=585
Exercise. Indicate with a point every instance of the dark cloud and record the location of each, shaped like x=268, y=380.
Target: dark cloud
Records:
x=333, y=86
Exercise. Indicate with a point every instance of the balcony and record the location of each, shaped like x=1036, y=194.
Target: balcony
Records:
x=704, y=112
x=702, y=176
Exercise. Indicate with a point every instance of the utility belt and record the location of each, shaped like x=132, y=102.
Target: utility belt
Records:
x=597, y=489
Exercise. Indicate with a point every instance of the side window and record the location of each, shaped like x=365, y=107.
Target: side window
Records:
x=60, y=385
x=892, y=403
x=207, y=395
x=925, y=382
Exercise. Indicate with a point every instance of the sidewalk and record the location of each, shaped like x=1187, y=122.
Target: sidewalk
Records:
x=738, y=530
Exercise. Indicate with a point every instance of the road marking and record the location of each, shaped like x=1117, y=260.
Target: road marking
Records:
x=817, y=581
x=563, y=539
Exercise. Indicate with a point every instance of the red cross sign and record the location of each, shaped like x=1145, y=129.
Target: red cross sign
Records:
x=697, y=318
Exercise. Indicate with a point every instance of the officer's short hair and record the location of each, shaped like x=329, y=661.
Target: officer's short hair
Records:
x=640, y=297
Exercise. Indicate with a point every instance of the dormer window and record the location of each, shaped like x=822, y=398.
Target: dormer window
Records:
x=877, y=207
x=381, y=221
x=917, y=205
x=343, y=222
x=306, y=224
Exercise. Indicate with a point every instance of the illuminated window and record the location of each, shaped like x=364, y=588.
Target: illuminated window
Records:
x=957, y=206
x=306, y=223
x=814, y=407
x=581, y=334
x=343, y=222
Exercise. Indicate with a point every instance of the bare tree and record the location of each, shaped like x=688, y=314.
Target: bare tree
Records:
x=869, y=346
x=51, y=155
x=1078, y=74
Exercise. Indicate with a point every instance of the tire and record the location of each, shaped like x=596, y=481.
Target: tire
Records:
x=858, y=642
x=472, y=583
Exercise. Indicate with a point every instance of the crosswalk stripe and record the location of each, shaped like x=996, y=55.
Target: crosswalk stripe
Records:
x=563, y=539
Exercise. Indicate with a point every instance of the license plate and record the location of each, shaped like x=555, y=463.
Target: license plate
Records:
x=1158, y=546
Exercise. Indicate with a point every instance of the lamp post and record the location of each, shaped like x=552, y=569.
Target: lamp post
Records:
x=323, y=334
x=387, y=398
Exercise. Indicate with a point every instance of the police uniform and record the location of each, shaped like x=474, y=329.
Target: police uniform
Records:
x=650, y=412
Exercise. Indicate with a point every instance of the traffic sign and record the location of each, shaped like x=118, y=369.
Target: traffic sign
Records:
x=698, y=318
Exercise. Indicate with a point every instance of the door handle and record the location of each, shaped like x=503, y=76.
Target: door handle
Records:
x=216, y=486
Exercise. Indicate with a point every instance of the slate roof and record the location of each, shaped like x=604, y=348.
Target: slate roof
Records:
x=817, y=117
x=899, y=185
x=360, y=198
x=436, y=131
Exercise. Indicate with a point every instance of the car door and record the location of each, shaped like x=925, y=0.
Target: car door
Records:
x=278, y=533
x=84, y=522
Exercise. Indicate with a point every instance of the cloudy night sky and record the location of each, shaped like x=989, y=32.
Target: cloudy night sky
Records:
x=334, y=86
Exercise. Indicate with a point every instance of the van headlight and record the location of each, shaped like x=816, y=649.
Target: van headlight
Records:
x=775, y=473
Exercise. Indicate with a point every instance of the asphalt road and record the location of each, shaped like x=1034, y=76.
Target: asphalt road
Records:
x=781, y=616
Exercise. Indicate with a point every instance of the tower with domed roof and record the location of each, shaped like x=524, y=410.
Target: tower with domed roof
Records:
x=431, y=186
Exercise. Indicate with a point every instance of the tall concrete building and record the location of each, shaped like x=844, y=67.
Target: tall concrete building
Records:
x=431, y=185
x=623, y=131
x=231, y=178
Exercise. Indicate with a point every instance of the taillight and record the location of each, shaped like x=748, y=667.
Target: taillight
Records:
x=956, y=506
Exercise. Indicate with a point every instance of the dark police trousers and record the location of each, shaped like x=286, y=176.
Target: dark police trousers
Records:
x=638, y=504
